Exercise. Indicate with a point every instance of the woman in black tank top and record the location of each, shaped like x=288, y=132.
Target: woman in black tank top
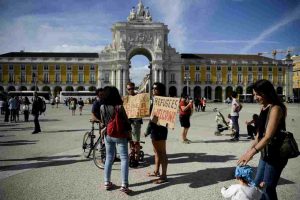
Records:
x=271, y=120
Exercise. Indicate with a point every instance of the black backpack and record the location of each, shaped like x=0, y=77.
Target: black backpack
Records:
x=43, y=106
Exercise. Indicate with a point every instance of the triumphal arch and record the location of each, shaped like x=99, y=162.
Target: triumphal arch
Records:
x=138, y=36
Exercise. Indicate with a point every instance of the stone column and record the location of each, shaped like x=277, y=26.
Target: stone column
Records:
x=113, y=77
x=124, y=81
x=161, y=71
x=155, y=75
x=118, y=79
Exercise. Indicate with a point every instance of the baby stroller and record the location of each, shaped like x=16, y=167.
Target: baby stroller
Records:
x=222, y=125
x=134, y=157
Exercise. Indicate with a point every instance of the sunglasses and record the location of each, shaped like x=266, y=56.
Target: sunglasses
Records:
x=130, y=88
x=154, y=88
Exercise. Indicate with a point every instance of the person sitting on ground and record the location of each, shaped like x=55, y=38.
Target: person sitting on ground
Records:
x=245, y=189
x=252, y=129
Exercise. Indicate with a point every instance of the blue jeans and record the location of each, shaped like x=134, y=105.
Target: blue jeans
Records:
x=110, y=145
x=269, y=174
x=235, y=125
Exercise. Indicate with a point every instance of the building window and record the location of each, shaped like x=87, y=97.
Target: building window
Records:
x=249, y=69
x=259, y=76
x=23, y=77
x=23, y=67
x=280, y=69
x=270, y=77
x=197, y=67
x=208, y=77
x=172, y=78
x=57, y=77
x=11, y=77
x=270, y=69
x=1, y=80
x=106, y=78
x=57, y=67
x=239, y=69
x=186, y=68
x=69, y=77
x=11, y=67
x=219, y=77
x=260, y=69
x=229, y=79
x=46, y=77
x=240, y=78
x=34, y=67
x=229, y=68
x=250, y=78
x=280, y=79
x=92, y=67
x=69, y=67
x=197, y=77
x=46, y=68
x=92, y=78
x=80, y=78
x=207, y=68
x=0, y=67
x=219, y=68
x=80, y=67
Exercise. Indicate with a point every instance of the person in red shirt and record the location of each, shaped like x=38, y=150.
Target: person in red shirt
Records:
x=186, y=108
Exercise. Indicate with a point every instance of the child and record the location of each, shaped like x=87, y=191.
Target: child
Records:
x=245, y=190
x=252, y=129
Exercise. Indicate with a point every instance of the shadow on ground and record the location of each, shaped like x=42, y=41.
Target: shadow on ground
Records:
x=18, y=142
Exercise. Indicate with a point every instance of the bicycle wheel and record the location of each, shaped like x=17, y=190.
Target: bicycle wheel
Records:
x=86, y=144
x=99, y=154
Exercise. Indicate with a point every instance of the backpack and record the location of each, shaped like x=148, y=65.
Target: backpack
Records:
x=116, y=126
x=43, y=106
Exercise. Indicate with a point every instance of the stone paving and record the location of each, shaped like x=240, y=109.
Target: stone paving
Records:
x=50, y=165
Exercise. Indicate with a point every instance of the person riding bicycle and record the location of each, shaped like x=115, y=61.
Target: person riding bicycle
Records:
x=136, y=124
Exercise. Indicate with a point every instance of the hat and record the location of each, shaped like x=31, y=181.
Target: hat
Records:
x=245, y=172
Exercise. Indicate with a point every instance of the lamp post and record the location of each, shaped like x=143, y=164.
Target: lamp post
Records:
x=187, y=79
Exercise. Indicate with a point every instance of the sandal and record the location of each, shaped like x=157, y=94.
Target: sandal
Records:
x=153, y=174
x=160, y=180
x=108, y=185
x=125, y=189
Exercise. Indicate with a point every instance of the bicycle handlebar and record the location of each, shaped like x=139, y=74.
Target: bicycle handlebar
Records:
x=94, y=121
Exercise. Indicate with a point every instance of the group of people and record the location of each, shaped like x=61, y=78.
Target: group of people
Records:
x=200, y=104
x=265, y=128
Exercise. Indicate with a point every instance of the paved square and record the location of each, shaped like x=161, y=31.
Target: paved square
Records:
x=50, y=165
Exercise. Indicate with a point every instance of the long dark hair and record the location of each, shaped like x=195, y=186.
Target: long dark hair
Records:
x=266, y=89
x=111, y=96
x=160, y=88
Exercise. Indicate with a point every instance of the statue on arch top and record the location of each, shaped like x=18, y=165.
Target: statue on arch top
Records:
x=132, y=15
x=140, y=9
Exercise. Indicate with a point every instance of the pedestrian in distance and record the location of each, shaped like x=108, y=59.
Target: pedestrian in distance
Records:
x=159, y=136
x=80, y=105
x=73, y=106
x=271, y=121
x=36, y=111
x=112, y=103
x=235, y=109
x=26, y=109
x=245, y=189
x=252, y=127
x=56, y=101
x=185, y=112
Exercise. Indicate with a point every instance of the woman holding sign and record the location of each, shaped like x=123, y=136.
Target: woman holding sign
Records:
x=159, y=136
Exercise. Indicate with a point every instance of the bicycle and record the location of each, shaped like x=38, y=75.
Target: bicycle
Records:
x=134, y=157
x=98, y=147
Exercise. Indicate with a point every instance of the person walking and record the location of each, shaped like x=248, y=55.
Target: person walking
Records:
x=1, y=106
x=136, y=124
x=12, y=103
x=56, y=101
x=73, y=105
x=185, y=111
x=112, y=102
x=159, y=136
x=36, y=110
x=80, y=104
x=26, y=109
x=271, y=120
x=235, y=109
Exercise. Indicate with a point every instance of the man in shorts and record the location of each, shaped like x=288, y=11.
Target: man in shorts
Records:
x=136, y=124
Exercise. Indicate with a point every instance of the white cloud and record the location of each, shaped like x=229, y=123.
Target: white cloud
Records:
x=138, y=73
x=292, y=16
x=232, y=41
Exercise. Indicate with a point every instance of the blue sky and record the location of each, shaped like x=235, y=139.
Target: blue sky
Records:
x=196, y=26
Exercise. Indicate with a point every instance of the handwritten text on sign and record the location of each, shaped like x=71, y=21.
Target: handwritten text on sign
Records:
x=137, y=106
x=164, y=111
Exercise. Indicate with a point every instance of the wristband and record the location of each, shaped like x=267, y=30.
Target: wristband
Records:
x=255, y=149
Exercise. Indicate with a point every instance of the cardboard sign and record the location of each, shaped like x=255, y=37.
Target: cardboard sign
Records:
x=137, y=106
x=164, y=111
